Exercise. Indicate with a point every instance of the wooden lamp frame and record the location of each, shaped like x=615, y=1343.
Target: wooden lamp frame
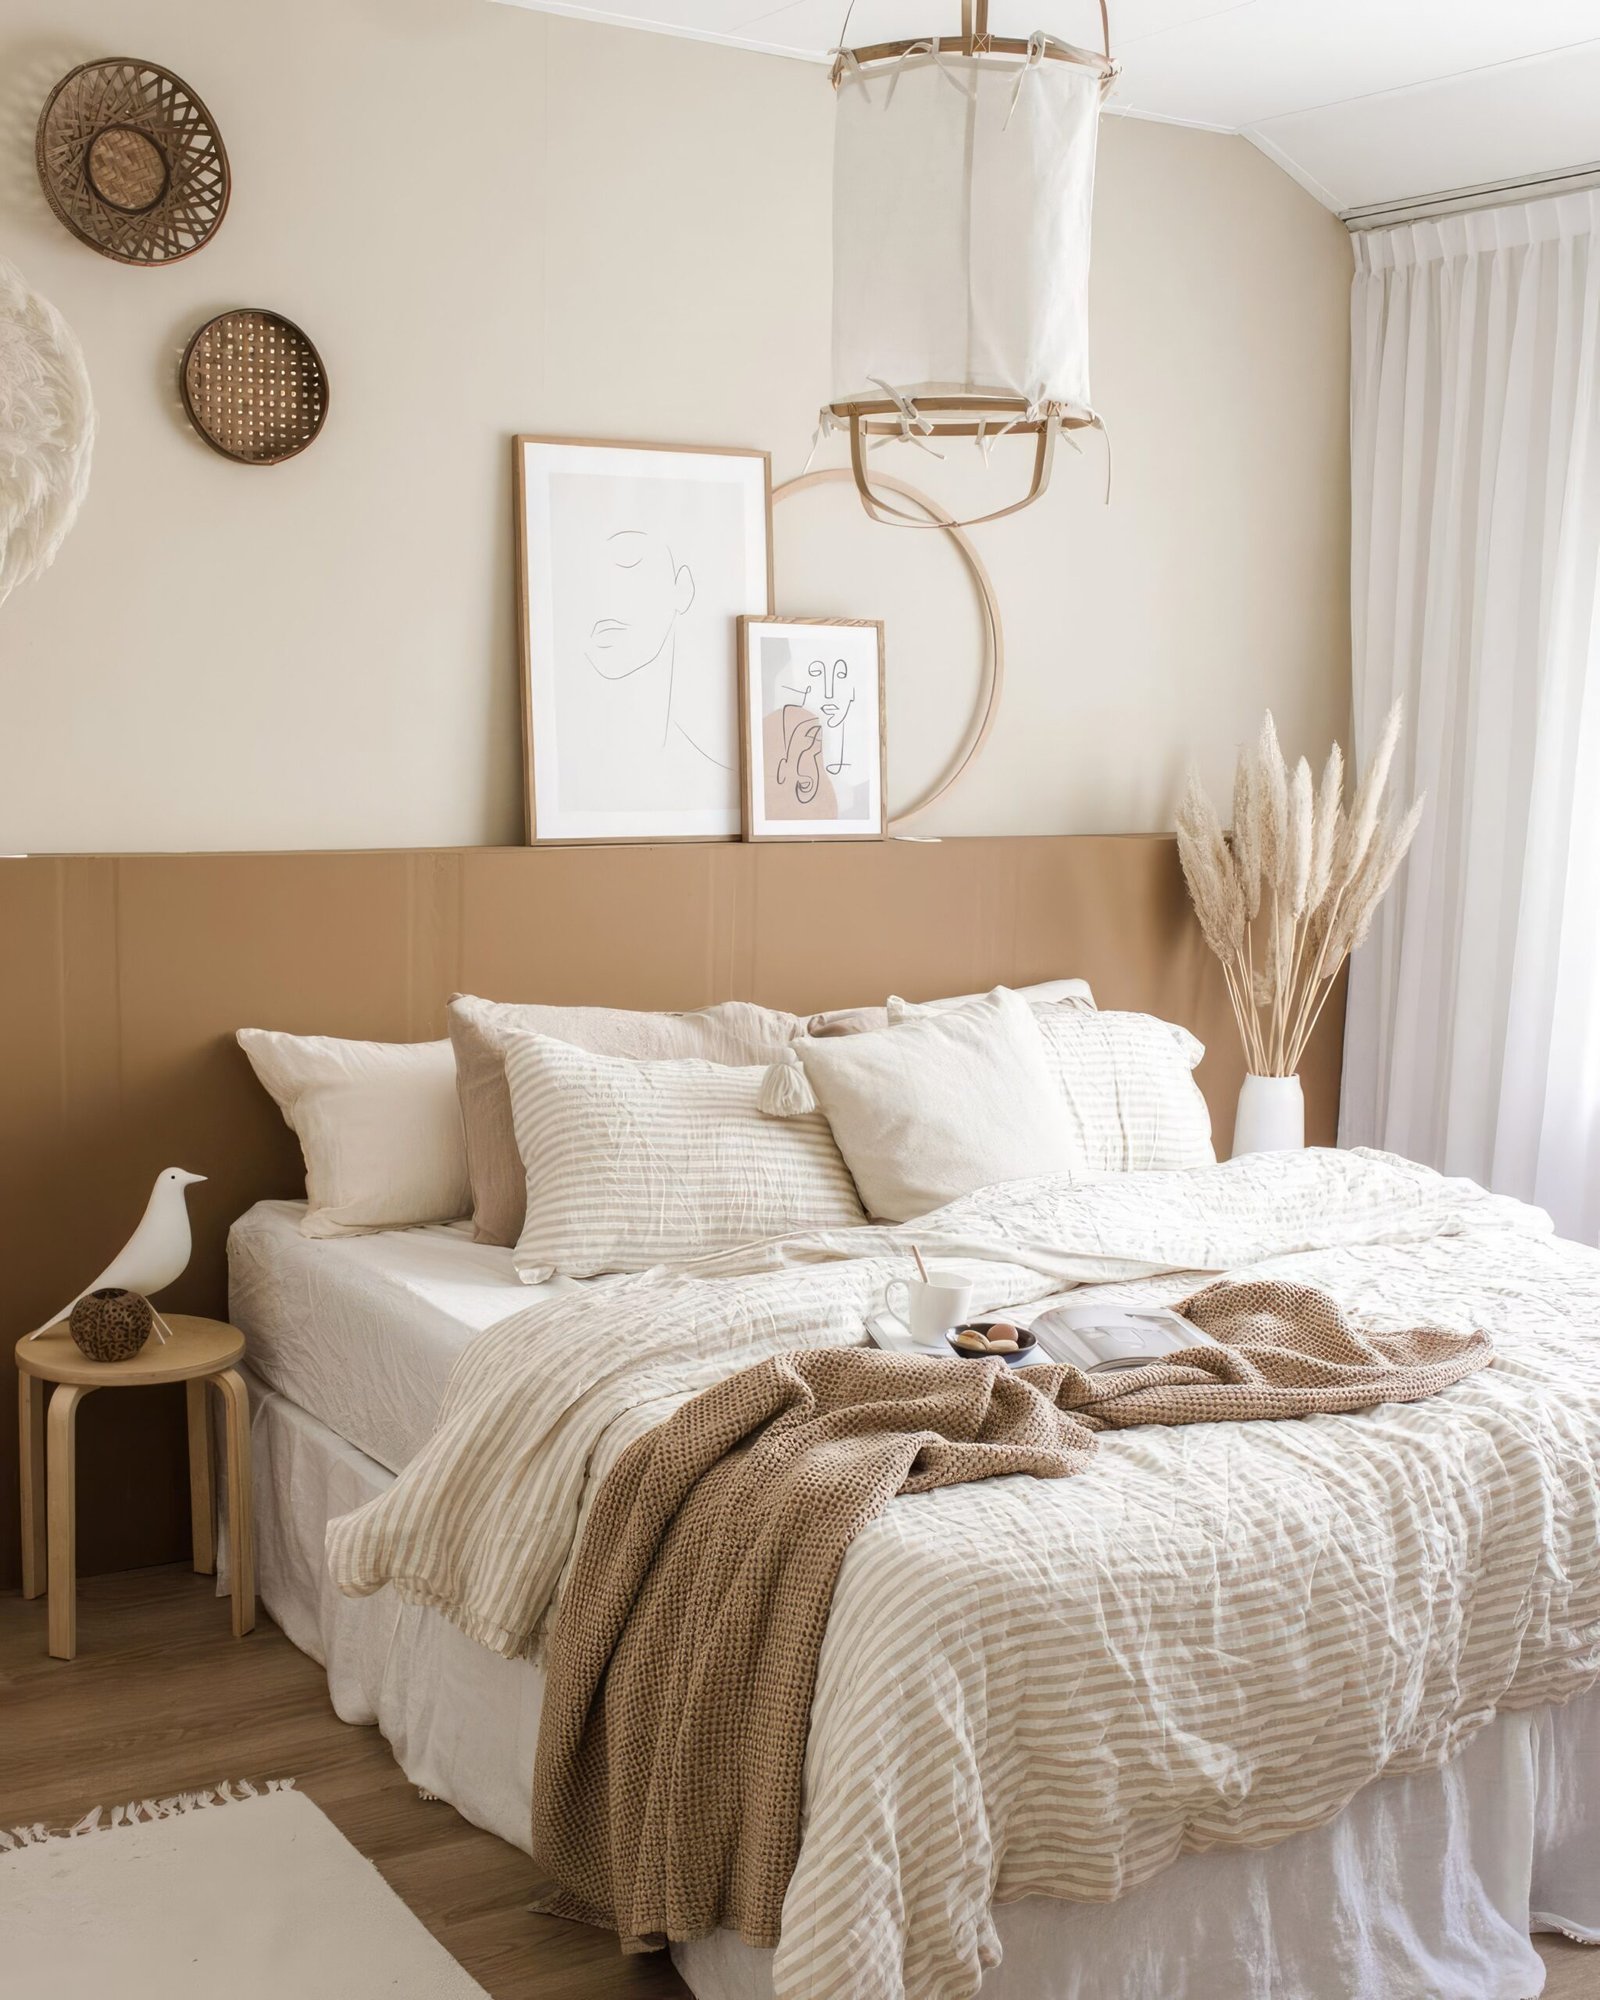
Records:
x=976, y=40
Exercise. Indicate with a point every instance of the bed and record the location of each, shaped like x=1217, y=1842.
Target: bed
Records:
x=1483, y=1817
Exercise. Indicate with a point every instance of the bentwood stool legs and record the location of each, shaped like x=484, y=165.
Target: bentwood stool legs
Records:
x=63, y=1465
x=241, y=1533
x=229, y=1385
x=199, y=1352
x=202, y=1488
x=30, y=1412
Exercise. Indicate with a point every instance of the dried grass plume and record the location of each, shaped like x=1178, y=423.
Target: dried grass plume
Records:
x=1285, y=901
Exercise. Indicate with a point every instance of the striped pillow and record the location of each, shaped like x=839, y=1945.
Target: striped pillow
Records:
x=734, y=1032
x=1129, y=1084
x=633, y=1164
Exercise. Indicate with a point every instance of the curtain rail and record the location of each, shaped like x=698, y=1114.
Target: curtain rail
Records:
x=1489, y=194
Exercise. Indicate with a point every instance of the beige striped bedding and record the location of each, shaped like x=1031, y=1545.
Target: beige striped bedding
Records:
x=1216, y=1634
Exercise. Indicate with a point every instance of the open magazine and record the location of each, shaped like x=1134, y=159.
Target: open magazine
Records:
x=1099, y=1338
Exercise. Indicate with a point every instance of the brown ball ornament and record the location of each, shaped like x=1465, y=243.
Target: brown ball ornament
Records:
x=111, y=1325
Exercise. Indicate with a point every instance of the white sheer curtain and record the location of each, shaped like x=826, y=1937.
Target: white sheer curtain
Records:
x=1473, y=1039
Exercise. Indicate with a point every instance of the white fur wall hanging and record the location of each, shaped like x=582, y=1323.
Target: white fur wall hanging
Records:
x=47, y=427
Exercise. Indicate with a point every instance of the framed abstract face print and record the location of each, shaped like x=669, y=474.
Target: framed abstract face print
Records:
x=811, y=718
x=634, y=564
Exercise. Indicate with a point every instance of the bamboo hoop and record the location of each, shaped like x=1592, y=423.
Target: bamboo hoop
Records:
x=992, y=683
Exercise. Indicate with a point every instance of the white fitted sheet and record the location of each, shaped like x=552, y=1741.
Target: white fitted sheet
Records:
x=362, y=1331
x=1424, y=1888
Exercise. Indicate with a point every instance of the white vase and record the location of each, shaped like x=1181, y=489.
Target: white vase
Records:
x=1271, y=1117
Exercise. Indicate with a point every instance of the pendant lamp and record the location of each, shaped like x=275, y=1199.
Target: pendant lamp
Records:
x=963, y=183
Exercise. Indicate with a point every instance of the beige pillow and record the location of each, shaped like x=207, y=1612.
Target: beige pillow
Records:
x=957, y=1099
x=735, y=1032
x=864, y=1020
x=378, y=1124
x=633, y=1164
x=1128, y=1080
x=848, y=1021
x=1073, y=993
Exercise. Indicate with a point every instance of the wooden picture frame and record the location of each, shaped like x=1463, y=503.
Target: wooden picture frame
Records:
x=630, y=719
x=813, y=744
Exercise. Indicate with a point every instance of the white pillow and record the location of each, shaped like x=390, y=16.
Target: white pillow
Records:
x=632, y=1164
x=378, y=1123
x=955, y=1099
x=1128, y=1080
x=1129, y=1085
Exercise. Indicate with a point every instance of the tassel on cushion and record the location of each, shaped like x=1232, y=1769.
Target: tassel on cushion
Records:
x=786, y=1089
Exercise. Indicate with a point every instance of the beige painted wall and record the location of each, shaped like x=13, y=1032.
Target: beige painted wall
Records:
x=492, y=220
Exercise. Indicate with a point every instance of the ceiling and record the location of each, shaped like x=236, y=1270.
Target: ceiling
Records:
x=1364, y=102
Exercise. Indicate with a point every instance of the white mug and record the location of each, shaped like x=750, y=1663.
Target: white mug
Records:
x=930, y=1310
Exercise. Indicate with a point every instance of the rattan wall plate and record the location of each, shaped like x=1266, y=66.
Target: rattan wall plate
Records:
x=131, y=161
x=254, y=386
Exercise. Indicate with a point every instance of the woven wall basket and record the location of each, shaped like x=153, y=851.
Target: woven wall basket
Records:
x=131, y=162
x=254, y=386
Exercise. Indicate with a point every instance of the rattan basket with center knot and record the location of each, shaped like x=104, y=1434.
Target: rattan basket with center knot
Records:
x=131, y=161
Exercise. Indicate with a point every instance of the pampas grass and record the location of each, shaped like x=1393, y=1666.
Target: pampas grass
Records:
x=1285, y=902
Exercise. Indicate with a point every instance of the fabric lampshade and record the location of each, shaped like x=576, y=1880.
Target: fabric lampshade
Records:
x=963, y=191
x=962, y=195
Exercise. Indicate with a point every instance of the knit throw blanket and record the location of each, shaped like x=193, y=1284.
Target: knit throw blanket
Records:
x=667, y=1785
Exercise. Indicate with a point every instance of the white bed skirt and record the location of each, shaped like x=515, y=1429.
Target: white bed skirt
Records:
x=1425, y=1888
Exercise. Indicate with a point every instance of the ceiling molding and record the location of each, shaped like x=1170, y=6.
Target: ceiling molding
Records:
x=1368, y=107
x=577, y=10
x=1292, y=167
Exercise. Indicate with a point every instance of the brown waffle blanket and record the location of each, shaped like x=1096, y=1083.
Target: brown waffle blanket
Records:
x=667, y=1786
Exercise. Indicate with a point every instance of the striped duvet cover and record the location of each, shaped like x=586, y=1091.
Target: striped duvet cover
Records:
x=1213, y=1635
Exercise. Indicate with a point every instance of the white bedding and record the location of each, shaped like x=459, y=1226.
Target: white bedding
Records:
x=363, y=1331
x=1424, y=1888
x=1215, y=1636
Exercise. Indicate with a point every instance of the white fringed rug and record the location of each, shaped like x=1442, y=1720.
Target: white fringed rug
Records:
x=252, y=1895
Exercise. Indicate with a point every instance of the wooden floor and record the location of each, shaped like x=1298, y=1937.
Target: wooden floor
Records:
x=162, y=1699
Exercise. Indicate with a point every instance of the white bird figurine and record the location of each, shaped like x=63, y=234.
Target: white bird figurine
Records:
x=155, y=1254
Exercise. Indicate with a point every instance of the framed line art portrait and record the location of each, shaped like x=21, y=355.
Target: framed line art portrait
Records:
x=634, y=563
x=811, y=728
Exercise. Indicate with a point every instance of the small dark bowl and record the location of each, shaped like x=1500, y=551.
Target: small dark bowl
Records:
x=1027, y=1347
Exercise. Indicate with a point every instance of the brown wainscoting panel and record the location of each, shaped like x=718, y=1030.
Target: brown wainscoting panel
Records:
x=126, y=978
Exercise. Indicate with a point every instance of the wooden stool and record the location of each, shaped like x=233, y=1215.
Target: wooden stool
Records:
x=200, y=1351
